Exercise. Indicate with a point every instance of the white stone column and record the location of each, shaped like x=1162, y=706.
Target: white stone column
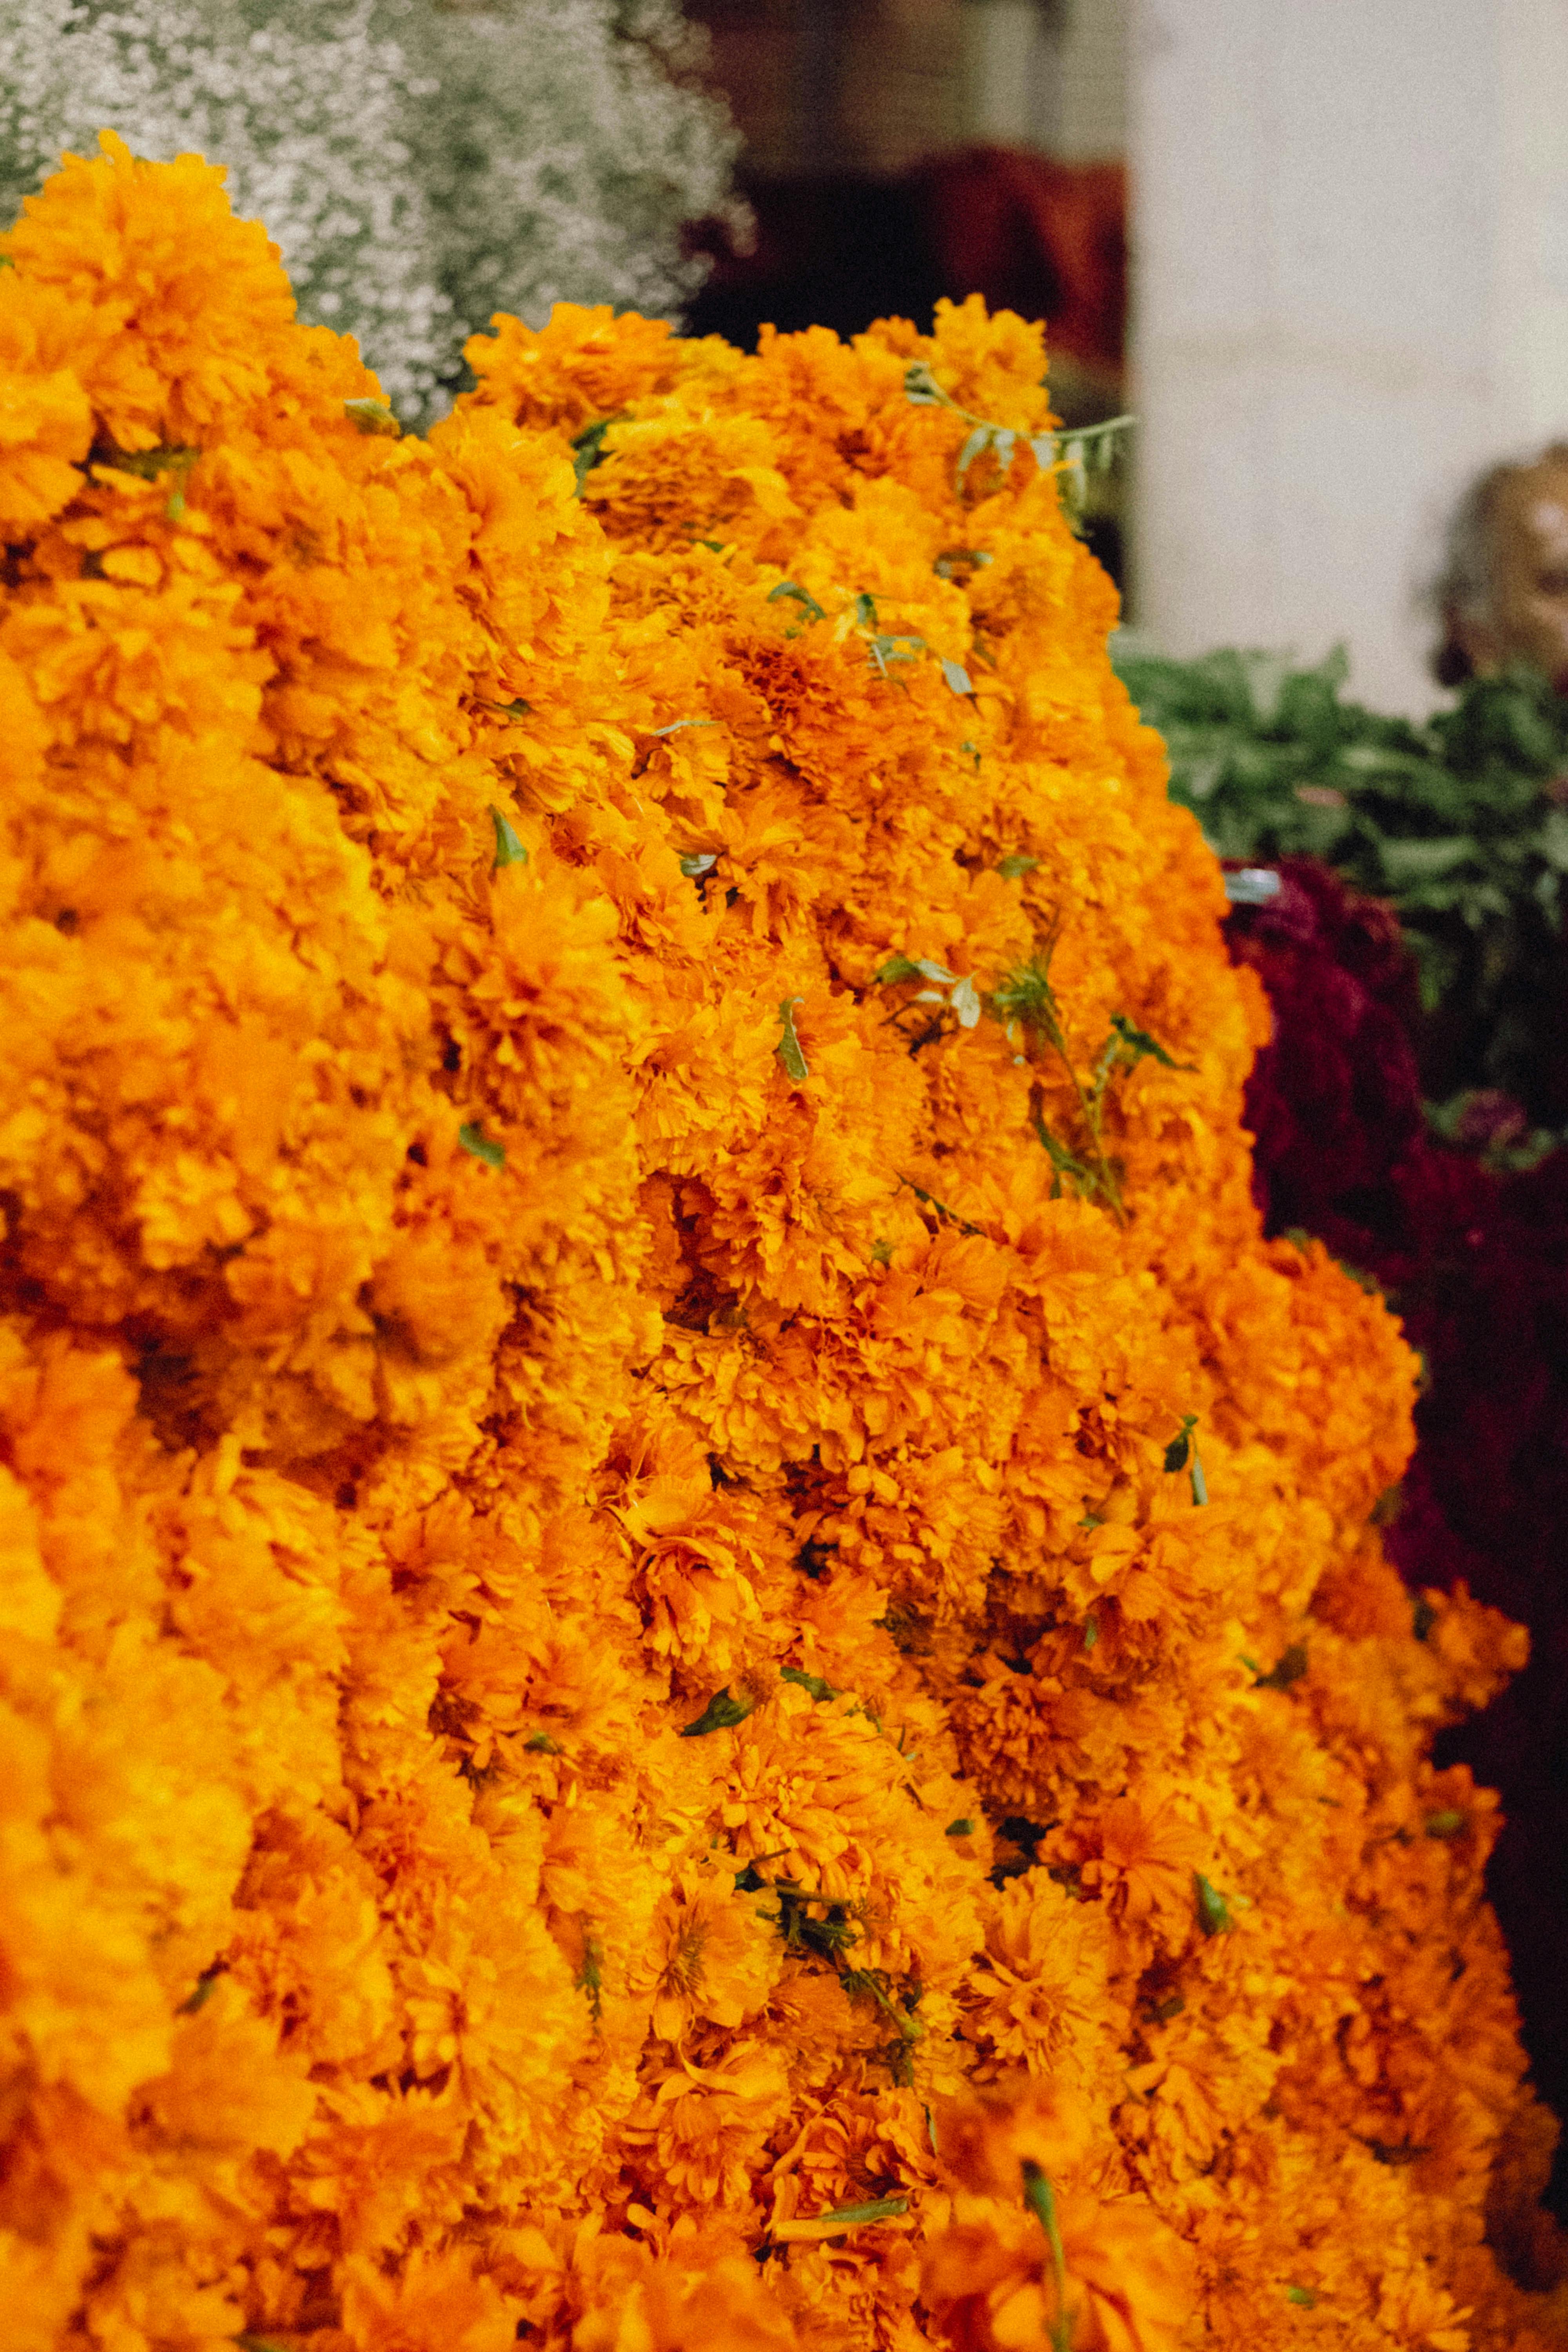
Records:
x=1049, y=76
x=1349, y=242
x=1531, y=277
x=1009, y=101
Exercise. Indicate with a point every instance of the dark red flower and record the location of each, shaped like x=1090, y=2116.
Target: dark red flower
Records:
x=1477, y=1265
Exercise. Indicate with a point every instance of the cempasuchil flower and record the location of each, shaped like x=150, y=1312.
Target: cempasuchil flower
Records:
x=696, y=1647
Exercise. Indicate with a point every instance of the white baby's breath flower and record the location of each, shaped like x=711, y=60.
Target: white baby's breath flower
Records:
x=420, y=167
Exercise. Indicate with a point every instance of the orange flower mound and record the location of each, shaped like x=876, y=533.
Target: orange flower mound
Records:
x=693, y=1650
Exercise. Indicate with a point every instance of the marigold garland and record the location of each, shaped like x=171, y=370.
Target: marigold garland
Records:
x=693, y=1649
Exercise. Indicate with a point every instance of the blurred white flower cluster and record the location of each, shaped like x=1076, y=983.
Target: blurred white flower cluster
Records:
x=421, y=166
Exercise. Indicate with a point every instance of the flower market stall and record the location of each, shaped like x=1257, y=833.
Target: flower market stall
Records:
x=697, y=1649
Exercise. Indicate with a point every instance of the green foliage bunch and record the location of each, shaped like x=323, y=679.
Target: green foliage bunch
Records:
x=1460, y=821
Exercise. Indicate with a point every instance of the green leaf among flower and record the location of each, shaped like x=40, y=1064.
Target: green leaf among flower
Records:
x=1446, y=1824
x=722, y=1713
x=1138, y=1045
x=789, y=1049
x=372, y=416
x=510, y=850
x=880, y=2209
x=588, y=450
x=1180, y=1446
x=818, y=1687
x=1040, y=2197
x=202, y=1991
x=803, y=597
x=1290, y=1668
x=1214, y=1912
x=473, y=1139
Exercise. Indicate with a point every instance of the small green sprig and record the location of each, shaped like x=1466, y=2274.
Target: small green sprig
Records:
x=1449, y=1824
x=827, y=1938
x=722, y=1713
x=799, y=595
x=880, y=2209
x=884, y=647
x=372, y=416
x=869, y=1984
x=175, y=458
x=819, y=1688
x=1025, y=1001
x=940, y=1208
x=590, y=1977
x=1071, y=453
x=202, y=1991
x=1289, y=1668
x=588, y=450
x=954, y=992
x=1182, y=1453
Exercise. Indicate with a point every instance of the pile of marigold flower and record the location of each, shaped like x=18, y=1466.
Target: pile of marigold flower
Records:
x=695, y=1650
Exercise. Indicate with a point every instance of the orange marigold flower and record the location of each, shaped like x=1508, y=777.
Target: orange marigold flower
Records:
x=721, y=2306
x=694, y=1649
x=190, y=298
x=713, y=1956
x=437, y=2298
x=46, y=418
x=708, y=2125
x=1123, y=2282
x=1143, y=1857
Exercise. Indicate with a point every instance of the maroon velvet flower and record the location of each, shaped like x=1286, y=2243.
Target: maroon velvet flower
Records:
x=1477, y=1265
x=1334, y=1099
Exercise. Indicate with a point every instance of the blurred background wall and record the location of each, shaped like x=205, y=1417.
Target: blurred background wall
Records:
x=1350, y=237
x=881, y=84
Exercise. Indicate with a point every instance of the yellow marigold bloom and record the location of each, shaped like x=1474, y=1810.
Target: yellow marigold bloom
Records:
x=710, y=1956
x=438, y=2300
x=585, y=366
x=720, y=2303
x=183, y=298
x=46, y=418
x=1126, y=2286
x=1042, y=1995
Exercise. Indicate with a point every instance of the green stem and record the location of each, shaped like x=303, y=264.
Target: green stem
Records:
x=1089, y=1108
x=1042, y=2198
